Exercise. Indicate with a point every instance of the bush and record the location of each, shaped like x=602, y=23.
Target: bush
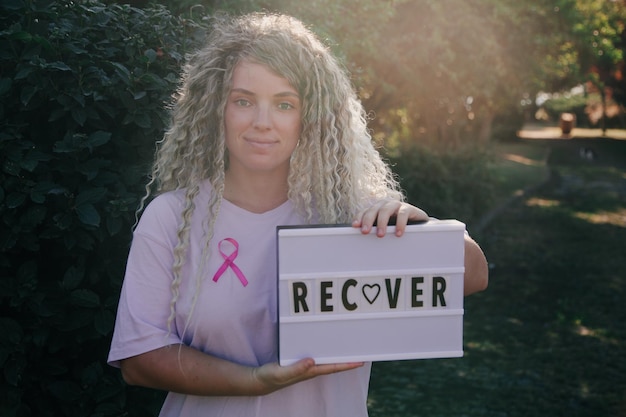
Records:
x=447, y=183
x=507, y=122
x=82, y=89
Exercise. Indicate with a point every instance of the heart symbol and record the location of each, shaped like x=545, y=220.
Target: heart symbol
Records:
x=371, y=292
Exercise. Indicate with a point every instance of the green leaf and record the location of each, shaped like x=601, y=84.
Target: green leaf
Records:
x=142, y=120
x=88, y=215
x=139, y=95
x=103, y=322
x=27, y=94
x=85, y=298
x=27, y=272
x=23, y=72
x=13, y=371
x=21, y=36
x=10, y=332
x=66, y=391
x=58, y=65
x=33, y=217
x=11, y=167
x=122, y=72
x=114, y=225
x=32, y=159
x=98, y=138
x=72, y=277
x=12, y=4
x=79, y=115
x=15, y=199
x=5, y=85
x=63, y=220
x=151, y=55
x=56, y=114
x=91, y=374
x=91, y=195
x=71, y=142
x=39, y=192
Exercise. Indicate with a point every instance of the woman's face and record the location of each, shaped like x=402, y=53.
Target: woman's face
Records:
x=262, y=121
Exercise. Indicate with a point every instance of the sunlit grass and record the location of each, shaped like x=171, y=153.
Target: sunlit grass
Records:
x=518, y=166
x=615, y=218
x=542, y=202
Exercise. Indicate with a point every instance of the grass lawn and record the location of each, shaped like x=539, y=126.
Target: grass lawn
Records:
x=517, y=166
x=548, y=337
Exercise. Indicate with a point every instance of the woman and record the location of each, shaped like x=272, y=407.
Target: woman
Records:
x=266, y=130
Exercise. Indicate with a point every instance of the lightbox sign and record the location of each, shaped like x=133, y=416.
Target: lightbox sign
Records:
x=346, y=297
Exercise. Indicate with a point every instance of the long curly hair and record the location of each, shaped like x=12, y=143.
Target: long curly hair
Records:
x=335, y=169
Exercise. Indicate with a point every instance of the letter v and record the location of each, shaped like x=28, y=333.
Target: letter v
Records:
x=392, y=296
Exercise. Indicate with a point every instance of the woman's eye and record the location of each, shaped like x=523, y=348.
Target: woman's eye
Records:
x=285, y=106
x=242, y=102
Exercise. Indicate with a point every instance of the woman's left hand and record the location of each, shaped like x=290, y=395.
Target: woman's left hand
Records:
x=382, y=211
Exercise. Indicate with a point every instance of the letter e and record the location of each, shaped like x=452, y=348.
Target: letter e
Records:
x=325, y=295
x=415, y=291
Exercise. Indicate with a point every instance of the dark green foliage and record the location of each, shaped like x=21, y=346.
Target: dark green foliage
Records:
x=446, y=183
x=82, y=93
x=83, y=88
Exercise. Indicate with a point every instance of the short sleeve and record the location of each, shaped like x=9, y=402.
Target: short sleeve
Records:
x=144, y=306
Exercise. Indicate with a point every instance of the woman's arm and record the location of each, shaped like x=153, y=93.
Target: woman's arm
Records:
x=476, y=275
x=182, y=369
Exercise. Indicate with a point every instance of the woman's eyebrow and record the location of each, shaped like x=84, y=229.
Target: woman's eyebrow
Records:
x=281, y=94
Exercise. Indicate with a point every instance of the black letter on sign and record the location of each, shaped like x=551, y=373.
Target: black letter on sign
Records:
x=299, y=296
x=344, y=294
x=415, y=281
x=439, y=287
x=324, y=285
x=392, y=296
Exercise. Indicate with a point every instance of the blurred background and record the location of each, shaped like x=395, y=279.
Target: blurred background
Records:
x=506, y=115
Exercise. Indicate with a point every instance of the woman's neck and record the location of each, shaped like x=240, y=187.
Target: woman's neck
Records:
x=257, y=195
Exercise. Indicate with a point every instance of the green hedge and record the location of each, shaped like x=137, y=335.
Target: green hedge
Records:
x=447, y=183
x=82, y=93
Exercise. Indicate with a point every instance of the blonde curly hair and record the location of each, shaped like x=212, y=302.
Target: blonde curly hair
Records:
x=335, y=169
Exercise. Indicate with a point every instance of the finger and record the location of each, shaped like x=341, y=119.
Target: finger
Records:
x=417, y=214
x=408, y=213
x=385, y=213
x=334, y=368
x=297, y=371
x=273, y=376
x=366, y=218
x=402, y=219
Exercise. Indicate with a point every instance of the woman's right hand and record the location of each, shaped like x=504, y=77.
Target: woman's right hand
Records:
x=274, y=377
x=182, y=369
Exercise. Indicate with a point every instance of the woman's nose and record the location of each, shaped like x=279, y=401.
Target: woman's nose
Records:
x=262, y=119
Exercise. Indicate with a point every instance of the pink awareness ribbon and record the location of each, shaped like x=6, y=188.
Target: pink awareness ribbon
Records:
x=229, y=262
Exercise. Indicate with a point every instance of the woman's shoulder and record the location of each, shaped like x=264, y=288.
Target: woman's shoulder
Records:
x=168, y=202
x=167, y=208
x=173, y=201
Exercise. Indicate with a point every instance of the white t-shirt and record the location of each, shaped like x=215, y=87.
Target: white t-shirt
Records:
x=230, y=320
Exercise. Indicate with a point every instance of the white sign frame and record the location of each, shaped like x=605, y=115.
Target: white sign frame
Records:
x=348, y=297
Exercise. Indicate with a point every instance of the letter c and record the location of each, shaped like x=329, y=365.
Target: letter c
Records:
x=344, y=295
